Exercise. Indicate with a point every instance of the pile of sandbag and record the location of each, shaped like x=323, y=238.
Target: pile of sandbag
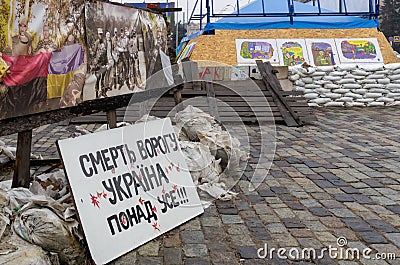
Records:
x=212, y=154
x=36, y=229
x=348, y=85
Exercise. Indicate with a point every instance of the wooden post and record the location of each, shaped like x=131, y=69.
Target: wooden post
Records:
x=22, y=176
x=112, y=118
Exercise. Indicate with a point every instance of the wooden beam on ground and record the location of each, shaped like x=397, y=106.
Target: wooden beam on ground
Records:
x=22, y=176
x=272, y=83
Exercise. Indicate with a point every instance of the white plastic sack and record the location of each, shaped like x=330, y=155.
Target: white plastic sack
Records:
x=367, y=81
x=351, y=76
x=369, y=86
x=374, y=76
x=325, y=68
x=360, y=91
x=351, y=86
x=307, y=80
x=393, y=95
x=359, y=72
x=312, y=104
x=373, y=95
x=346, y=67
x=294, y=77
x=378, y=90
x=394, y=77
x=382, y=72
x=341, y=90
x=338, y=73
x=320, y=101
x=355, y=104
x=318, y=73
x=332, y=78
x=353, y=95
x=385, y=99
x=376, y=104
x=347, y=81
x=299, y=83
x=299, y=88
x=365, y=100
x=395, y=72
x=332, y=95
x=384, y=81
x=371, y=67
x=311, y=86
x=332, y=86
x=393, y=66
x=322, y=90
x=334, y=104
x=345, y=99
x=311, y=95
x=322, y=82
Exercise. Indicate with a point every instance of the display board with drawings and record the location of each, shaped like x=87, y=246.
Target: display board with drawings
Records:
x=322, y=52
x=318, y=52
x=359, y=50
x=250, y=50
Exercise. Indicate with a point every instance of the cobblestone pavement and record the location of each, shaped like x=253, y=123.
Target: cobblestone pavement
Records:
x=336, y=178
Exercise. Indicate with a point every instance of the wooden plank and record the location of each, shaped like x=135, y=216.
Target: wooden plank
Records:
x=22, y=176
x=211, y=100
x=272, y=83
x=112, y=119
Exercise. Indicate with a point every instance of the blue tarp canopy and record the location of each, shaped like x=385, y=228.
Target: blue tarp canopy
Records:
x=277, y=17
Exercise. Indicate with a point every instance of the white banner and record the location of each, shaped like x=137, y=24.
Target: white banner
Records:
x=130, y=185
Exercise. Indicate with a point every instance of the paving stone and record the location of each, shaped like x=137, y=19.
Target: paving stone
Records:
x=381, y=226
x=357, y=224
x=266, y=193
x=394, y=237
x=192, y=237
x=172, y=256
x=293, y=223
x=394, y=208
x=196, y=261
x=342, y=212
x=149, y=249
x=343, y=197
x=247, y=252
x=319, y=211
x=149, y=260
x=195, y=250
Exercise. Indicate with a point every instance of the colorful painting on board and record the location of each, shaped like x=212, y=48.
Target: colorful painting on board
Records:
x=250, y=50
x=322, y=52
x=42, y=55
x=292, y=52
x=359, y=50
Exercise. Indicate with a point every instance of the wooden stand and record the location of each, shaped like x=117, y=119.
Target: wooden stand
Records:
x=22, y=171
x=112, y=118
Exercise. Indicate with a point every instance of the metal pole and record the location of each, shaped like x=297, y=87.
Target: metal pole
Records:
x=208, y=11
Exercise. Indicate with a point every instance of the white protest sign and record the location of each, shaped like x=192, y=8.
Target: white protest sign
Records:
x=130, y=185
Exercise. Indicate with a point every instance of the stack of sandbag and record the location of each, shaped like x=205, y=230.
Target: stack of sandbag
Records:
x=348, y=85
x=212, y=153
x=36, y=229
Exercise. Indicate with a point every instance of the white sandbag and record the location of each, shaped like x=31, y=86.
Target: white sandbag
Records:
x=217, y=191
x=346, y=81
x=302, y=70
x=353, y=95
x=322, y=82
x=193, y=120
x=378, y=90
x=365, y=100
x=371, y=67
x=334, y=104
x=373, y=95
x=359, y=72
x=317, y=78
x=396, y=103
x=374, y=76
x=393, y=95
x=325, y=68
x=299, y=88
x=356, y=77
x=382, y=72
x=294, y=77
x=369, y=86
x=384, y=81
x=385, y=99
x=322, y=90
x=312, y=104
x=395, y=81
x=311, y=86
x=338, y=73
x=341, y=90
x=395, y=72
x=332, y=86
x=310, y=70
x=311, y=95
x=351, y=86
x=318, y=74
x=360, y=91
x=320, y=100
x=346, y=67
x=355, y=104
x=201, y=164
x=299, y=83
x=331, y=95
x=345, y=99
x=367, y=81
x=307, y=80
x=332, y=78
x=376, y=104
x=394, y=77
x=392, y=66
x=393, y=86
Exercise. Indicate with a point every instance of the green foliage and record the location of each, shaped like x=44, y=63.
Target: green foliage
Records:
x=390, y=15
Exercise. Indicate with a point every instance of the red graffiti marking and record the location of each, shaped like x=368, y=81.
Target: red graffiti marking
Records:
x=95, y=202
x=113, y=170
x=178, y=169
x=170, y=168
x=123, y=220
x=104, y=195
x=155, y=225
x=132, y=165
x=174, y=187
x=141, y=201
x=154, y=209
x=99, y=194
x=163, y=190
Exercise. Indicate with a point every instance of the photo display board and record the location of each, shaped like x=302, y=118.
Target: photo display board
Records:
x=250, y=50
